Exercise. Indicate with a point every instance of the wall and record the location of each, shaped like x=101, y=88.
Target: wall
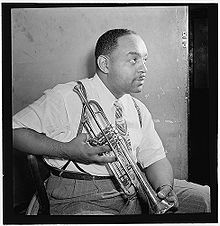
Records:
x=55, y=45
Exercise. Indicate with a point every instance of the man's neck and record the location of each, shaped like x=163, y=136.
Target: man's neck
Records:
x=104, y=79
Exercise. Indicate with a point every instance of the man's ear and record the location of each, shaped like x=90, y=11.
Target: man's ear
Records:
x=103, y=62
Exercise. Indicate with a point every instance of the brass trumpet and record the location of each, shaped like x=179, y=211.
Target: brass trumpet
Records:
x=131, y=179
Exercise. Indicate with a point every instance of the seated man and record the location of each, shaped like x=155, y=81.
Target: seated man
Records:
x=81, y=181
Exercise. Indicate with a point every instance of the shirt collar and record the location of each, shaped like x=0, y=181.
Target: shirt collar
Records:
x=103, y=91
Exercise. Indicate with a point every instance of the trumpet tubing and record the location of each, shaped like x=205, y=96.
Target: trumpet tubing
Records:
x=127, y=173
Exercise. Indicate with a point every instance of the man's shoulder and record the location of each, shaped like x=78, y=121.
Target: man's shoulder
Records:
x=61, y=89
x=138, y=102
x=65, y=88
x=143, y=108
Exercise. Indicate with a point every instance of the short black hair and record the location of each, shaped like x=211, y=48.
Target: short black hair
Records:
x=109, y=41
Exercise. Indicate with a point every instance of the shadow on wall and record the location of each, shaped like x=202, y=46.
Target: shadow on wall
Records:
x=91, y=67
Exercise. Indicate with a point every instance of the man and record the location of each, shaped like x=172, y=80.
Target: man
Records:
x=83, y=185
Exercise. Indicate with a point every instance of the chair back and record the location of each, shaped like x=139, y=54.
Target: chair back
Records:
x=40, y=172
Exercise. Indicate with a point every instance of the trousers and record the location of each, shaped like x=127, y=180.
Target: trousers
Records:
x=101, y=197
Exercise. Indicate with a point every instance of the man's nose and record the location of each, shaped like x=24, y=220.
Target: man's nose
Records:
x=143, y=67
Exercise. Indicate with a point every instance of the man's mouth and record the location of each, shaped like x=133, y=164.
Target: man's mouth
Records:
x=141, y=78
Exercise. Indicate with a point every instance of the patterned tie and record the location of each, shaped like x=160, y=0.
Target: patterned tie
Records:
x=121, y=125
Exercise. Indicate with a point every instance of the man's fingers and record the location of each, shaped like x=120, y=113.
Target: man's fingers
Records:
x=84, y=137
x=173, y=198
x=101, y=149
x=163, y=193
x=104, y=159
x=96, y=155
x=169, y=195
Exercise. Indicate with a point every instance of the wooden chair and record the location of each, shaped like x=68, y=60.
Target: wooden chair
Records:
x=39, y=204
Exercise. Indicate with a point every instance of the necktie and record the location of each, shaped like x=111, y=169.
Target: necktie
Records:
x=121, y=125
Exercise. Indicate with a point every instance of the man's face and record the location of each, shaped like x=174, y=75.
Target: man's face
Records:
x=127, y=66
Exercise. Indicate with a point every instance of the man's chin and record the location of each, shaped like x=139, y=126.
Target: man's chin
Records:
x=137, y=90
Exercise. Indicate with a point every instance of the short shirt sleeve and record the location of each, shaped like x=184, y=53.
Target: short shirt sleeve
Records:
x=48, y=115
x=151, y=148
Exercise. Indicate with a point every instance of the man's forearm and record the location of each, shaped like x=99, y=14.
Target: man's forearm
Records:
x=30, y=141
x=160, y=173
x=77, y=149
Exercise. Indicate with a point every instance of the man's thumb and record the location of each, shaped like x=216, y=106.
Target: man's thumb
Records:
x=161, y=195
x=164, y=191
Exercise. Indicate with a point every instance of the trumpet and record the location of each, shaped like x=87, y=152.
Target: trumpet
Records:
x=129, y=176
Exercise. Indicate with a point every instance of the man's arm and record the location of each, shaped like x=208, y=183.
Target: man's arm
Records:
x=78, y=150
x=160, y=173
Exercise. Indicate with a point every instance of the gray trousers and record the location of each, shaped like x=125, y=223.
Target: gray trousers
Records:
x=100, y=197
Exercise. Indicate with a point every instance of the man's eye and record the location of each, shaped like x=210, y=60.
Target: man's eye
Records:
x=133, y=61
x=145, y=60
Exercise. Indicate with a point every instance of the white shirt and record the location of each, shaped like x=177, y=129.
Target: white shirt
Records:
x=57, y=114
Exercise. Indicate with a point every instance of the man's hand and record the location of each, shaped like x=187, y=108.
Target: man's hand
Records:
x=166, y=192
x=78, y=150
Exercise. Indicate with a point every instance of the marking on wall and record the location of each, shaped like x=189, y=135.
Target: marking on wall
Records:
x=29, y=36
x=28, y=54
x=147, y=95
x=169, y=121
x=163, y=92
x=61, y=29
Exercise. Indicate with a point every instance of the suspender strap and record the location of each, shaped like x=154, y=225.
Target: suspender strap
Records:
x=79, y=131
x=138, y=111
